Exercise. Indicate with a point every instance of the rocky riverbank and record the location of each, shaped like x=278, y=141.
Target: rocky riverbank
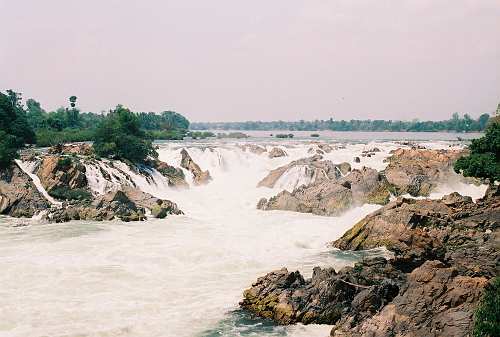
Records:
x=69, y=183
x=445, y=253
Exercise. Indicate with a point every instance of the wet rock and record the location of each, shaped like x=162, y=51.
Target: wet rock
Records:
x=128, y=204
x=256, y=149
x=277, y=152
x=287, y=298
x=315, y=168
x=332, y=197
x=199, y=177
x=174, y=175
x=435, y=301
x=357, y=160
x=63, y=177
x=417, y=171
x=19, y=197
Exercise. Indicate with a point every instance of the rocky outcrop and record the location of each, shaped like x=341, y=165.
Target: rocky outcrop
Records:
x=315, y=168
x=174, y=175
x=82, y=149
x=332, y=197
x=128, y=204
x=277, y=152
x=417, y=171
x=199, y=177
x=63, y=177
x=256, y=149
x=19, y=197
x=444, y=254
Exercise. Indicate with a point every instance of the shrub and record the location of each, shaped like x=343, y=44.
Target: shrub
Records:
x=484, y=159
x=119, y=136
x=486, y=317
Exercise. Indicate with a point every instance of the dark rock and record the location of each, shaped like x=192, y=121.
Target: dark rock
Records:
x=199, y=177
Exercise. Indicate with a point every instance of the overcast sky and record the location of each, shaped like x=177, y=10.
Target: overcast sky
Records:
x=234, y=60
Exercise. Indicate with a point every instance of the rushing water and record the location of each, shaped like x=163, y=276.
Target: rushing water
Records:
x=180, y=276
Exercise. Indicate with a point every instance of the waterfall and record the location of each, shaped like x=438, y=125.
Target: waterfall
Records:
x=28, y=168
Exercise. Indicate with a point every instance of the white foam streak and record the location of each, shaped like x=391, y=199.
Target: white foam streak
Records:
x=28, y=168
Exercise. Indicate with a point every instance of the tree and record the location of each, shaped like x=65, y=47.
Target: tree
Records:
x=14, y=128
x=119, y=136
x=484, y=158
x=72, y=115
x=37, y=117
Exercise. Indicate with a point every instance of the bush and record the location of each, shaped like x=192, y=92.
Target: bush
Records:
x=486, y=318
x=484, y=159
x=64, y=193
x=119, y=136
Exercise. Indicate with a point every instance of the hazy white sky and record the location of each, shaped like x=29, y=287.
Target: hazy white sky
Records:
x=233, y=60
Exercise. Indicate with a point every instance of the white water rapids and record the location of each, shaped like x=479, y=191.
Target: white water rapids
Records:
x=180, y=276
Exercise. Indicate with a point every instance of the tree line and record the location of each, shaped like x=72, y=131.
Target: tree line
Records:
x=120, y=133
x=456, y=123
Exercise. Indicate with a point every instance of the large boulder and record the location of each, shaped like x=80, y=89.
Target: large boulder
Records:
x=19, y=197
x=63, y=177
x=199, y=177
x=418, y=171
x=332, y=197
x=174, y=175
x=315, y=168
x=277, y=152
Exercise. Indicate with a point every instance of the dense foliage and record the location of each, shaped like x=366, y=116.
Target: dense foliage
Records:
x=14, y=128
x=71, y=125
x=119, y=135
x=486, y=319
x=484, y=158
x=456, y=123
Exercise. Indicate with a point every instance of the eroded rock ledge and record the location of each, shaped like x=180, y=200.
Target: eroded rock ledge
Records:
x=445, y=252
x=334, y=188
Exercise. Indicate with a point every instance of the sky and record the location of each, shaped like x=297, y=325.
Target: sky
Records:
x=234, y=60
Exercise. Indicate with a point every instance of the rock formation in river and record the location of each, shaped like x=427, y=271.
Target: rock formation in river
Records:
x=315, y=167
x=199, y=177
x=417, y=171
x=413, y=171
x=18, y=195
x=64, y=177
x=332, y=197
x=127, y=204
x=276, y=152
x=444, y=253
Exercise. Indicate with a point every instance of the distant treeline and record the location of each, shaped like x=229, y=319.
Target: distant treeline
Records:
x=69, y=124
x=456, y=123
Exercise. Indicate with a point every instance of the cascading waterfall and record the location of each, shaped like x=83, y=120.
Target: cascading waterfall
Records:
x=181, y=276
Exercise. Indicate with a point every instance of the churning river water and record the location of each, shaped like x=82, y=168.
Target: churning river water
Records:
x=183, y=275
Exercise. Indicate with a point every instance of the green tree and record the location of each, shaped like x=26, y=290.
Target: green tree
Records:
x=484, y=158
x=119, y=136
x=14, y=128
x=36, y=115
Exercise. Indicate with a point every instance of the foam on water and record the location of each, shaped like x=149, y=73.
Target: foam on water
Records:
x=180, y=276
